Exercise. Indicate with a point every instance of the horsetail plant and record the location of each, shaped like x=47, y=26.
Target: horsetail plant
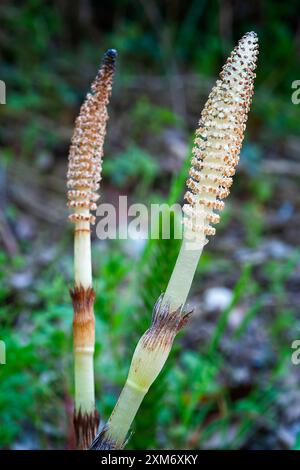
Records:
x=216, y=151
x=83, y=177
x=215, y=155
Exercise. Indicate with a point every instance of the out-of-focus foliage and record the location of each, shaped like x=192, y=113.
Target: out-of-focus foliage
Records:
x=229, y=382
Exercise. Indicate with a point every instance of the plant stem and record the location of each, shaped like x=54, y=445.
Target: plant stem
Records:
x=83, y=178
x=183, y=273
x=148, y=359
x=125, y=410
x=86, y=418
x=215, y=155
x=82, y=254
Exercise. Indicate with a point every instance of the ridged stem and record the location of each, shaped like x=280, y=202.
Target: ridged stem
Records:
x=183, y=273
x=148, y=359
x=85, y=414
x=124, y=413
x=84, y=381
x=82, y=255
x=84, y=350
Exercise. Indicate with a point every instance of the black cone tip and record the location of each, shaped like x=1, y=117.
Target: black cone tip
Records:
x=111, y=53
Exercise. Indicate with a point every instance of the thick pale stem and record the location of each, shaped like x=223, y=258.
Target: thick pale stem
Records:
x=125, y=410
x=82, y=255
x=154, y=347
x=84, y=350
x=183, y=273
x=85, y=416
x=148, y=359
x=84, y=380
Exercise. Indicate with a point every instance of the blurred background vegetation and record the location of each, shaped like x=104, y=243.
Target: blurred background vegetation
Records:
x=229, y=382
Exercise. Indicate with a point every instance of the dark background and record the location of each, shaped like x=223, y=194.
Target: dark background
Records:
x=229, y=382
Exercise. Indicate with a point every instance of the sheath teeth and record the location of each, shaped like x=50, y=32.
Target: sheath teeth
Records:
x=216, y=190
x=206, y=178
x=86, y=149
x=219, y=139
x=82, y=195
x=213, y=218
x=82, y=204
x=83, y=184
x=76, y=174
x=82, y=218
